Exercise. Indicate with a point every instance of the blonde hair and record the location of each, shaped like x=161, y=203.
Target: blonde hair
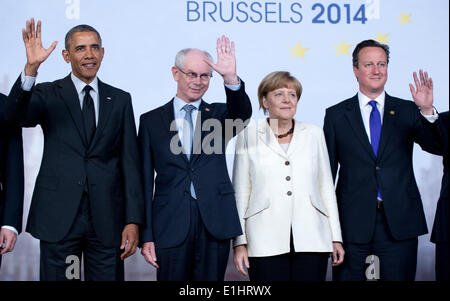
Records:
x=276, y=80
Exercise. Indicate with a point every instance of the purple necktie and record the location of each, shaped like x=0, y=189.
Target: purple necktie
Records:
x=375, y=130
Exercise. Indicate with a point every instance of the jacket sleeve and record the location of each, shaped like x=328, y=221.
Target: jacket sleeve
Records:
x=148, y=179
x=242, y=184
x=330, y=138
x=131, y=169
x=326, y=189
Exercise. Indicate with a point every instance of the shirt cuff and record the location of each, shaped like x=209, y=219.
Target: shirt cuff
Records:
x=234, y=87
x=431, y=118
x=11, y=228
x=27, y=81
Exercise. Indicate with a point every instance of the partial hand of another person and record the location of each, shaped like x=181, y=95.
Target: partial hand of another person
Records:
x=148, y=251
x=130, y=240
x=36, y=53
x=226, y=61
x=422, y=94
x=7, y=240
x=338, y=254
x=240, y=258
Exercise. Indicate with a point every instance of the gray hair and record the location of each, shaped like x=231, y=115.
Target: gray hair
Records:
x=180, y=58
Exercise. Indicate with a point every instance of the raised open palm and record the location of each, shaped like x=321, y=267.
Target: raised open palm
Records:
x=226, y=61
x=36, y=53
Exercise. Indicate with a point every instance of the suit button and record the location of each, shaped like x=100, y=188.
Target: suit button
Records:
x=289, y=193
x=192, y=169
x=80, y=183
x=378, y=168
x=287, y=163
x=288, y=178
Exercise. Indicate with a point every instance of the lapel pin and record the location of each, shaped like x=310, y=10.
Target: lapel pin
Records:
x=207, y=109
x=392, y=112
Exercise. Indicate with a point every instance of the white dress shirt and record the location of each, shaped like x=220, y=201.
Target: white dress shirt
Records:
x=366, y=109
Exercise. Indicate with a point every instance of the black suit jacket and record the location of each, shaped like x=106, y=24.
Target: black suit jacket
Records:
x=361, y=172
x=11, y=173
x=441, y=226
x=167, y=198
x=109, y=164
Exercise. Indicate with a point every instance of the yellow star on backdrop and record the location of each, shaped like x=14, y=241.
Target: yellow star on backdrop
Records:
x=381, y=38
x=298, y=51
x=342, y=49
x=404, y=18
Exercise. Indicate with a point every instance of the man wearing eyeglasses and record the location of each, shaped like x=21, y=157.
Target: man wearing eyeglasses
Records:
x=190, y=209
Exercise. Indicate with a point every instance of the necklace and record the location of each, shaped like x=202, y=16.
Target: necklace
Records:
x=291, y=130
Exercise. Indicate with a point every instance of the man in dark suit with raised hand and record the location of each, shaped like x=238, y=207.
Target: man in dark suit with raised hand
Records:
x=440, y=234
x=11, y=183
x=88, y=196
x=370, y=138
x=190, y=207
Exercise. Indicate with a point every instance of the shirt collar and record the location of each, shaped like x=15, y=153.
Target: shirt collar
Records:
x=79, y=84
x=178, y=103
x=364, y=100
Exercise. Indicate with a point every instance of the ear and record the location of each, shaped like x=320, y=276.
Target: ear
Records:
x=265, y=103
x=355, y=72
x=65, y=55
x=175, y=73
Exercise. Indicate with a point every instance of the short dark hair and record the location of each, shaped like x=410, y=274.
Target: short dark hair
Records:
x=368, y=43
x=80, y=28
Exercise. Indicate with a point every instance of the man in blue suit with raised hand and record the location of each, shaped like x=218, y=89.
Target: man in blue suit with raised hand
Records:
x=370, y=137
x=191, y=211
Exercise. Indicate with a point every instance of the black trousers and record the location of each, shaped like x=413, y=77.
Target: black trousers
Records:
x=201, y=257
x=397, y=258
x=292, y=266
x=442, y=265
x=59, y=260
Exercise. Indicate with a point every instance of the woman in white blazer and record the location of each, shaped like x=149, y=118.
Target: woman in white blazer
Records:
x=284, y=192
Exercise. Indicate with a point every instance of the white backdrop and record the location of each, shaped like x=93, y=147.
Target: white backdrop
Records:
x=141, y=39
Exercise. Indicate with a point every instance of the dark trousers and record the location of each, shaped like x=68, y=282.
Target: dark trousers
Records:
x=201, y=257
x=58, y=260
x=397, y=258
x=442, y=265
x=292, y=266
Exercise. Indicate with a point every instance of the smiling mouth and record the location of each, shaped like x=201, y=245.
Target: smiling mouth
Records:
x=89, y=65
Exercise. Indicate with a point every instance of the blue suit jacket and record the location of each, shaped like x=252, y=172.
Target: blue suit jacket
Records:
x=11, y=173
x=167, y=198
x=361, y=172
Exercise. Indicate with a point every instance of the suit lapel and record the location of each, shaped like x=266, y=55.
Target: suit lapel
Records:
x=204, y=113
x=266, y=135
x=167, y=117
x=389, y=117
x=354, y=117
x=70, y=96
x=105, y=105
x=296, y=137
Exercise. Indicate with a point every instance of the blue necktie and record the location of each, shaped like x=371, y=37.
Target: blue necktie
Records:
x=188, y=133
x=375, y=130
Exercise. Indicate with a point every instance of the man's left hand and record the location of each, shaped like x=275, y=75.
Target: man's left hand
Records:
x=226, y=61
x=423, y=92
x=130, y=240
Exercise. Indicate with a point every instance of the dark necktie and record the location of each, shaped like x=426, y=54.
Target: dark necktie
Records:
x=88, y=114
x=375, y=130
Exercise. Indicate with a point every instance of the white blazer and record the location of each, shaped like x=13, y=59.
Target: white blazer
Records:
x=277, y=191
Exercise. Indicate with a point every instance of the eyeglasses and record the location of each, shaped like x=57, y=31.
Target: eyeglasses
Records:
x=192, y=75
